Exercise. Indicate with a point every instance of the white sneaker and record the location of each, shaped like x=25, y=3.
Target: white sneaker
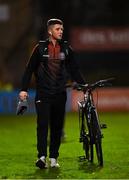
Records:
x=54, y=163
x=41, y=163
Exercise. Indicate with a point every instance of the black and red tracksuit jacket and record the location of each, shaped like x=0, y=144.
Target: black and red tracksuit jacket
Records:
x=51, y=66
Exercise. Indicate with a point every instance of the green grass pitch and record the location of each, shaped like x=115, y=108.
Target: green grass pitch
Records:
x=18, y=149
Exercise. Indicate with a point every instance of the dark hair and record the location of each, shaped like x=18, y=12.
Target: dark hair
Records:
x=54, y=21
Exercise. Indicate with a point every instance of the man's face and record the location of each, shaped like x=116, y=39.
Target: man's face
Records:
x=56, y=31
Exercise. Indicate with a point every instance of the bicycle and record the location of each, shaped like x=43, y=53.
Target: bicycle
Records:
x=90, y=127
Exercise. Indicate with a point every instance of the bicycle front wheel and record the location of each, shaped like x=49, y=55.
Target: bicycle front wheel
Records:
x=91, y=155
x=88, y=148
x=97, y=137
x=98, y=145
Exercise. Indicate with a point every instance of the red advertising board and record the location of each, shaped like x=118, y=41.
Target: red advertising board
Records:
x=100, y=38
x=106, y=99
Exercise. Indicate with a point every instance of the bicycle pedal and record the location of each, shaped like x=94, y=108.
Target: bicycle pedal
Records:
x=80, y=139
x=82, y=158
x=103, y=126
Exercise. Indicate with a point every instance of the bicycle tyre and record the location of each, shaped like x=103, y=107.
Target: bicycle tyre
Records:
x=88, y=148
x=88, y=144
x=91, y=154
x=97, y=137
x=98, y=145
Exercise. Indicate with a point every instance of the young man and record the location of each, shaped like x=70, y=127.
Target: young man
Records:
x=50, y=62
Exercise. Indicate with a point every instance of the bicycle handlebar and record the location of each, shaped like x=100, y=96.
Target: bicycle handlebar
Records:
x=91, y=87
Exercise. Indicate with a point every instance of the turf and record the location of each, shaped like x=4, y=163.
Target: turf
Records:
x=18, y=149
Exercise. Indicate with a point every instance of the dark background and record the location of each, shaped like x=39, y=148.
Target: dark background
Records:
x=27, y=24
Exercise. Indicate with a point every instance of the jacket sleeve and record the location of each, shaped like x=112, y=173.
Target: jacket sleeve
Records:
x=30, y=68
x=73, y=68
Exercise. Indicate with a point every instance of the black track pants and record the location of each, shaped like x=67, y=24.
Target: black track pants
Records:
x=50, y=112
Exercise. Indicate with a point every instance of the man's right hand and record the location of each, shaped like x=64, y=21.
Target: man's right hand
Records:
x=23, y=95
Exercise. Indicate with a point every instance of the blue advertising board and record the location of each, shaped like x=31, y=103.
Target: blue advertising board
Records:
x=9, y=100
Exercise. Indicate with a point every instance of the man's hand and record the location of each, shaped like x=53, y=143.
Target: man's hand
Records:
x=22, y=104
x=23, y=95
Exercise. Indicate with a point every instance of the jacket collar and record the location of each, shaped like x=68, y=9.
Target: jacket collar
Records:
x=59, y=41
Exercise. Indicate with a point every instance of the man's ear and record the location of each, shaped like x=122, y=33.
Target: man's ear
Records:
x=49, y=32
